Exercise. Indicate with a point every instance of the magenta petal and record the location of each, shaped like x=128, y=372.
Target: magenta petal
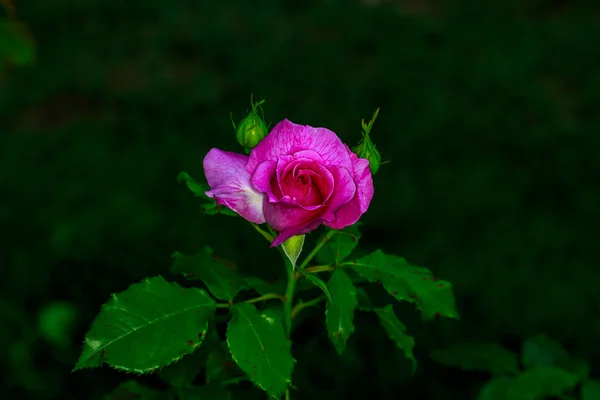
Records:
x=298, y=230
x=230, y=184
x=287, y=138
x=261, y=179
x=350, y=213
x=343, y=192
x=287, y=215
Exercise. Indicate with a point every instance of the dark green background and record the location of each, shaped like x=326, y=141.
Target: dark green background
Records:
x=489, y=116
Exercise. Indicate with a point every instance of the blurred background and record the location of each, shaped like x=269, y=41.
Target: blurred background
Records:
x=489, y=118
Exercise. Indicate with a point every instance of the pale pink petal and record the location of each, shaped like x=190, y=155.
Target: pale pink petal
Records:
x=350, y=213
x=230, y=184
x=287, y=138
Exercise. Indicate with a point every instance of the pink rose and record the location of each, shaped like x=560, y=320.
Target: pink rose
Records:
x=297, y=178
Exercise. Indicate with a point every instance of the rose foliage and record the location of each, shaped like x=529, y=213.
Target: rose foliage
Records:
x=296, y=179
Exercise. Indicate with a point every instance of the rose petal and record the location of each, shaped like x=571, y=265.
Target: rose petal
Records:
x=299, y=230
x=350, y=213
x=262, y=179
x=343, y=192
x=230, y=184
x=288, y=165
x=288, y=214
x=287, y=138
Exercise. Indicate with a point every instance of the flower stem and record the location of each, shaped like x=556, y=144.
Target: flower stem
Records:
x=301, y=306
x=288, y=299
x=264, y=233
x=314, y=251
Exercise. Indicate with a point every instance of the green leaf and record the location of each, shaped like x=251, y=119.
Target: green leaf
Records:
x=199, y=190
x=590, y=390
x=214, y=209
x=258, y=344
x=491, y=358
x=339, y=312
x=219, y=364
x=150, y=325
x=496, y=389
x=292, y=248
x=541, y=382
x=222, y=281
x=397, y=331
x=55, y=322
x=315, y=280
x=207, y=392
x=409, y=283
x=364, y=301
x=129, y=390
x=183, y=372
x=263, y=287
x=16, y=43
x=541, y=350
x=340, y=246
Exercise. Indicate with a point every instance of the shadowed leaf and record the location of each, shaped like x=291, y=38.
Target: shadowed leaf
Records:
x=542, y=382
x=487, y=357
x=316, y=281
x=339, y=312
x=222, y=281
x=258, y=344
x=206, y=392
x=339, y=246
x=199, y=189
x=397, y=331
x=406, y=282
x=16, y=43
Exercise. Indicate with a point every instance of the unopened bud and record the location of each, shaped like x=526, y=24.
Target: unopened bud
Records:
x=366, y=148
x=252, y=129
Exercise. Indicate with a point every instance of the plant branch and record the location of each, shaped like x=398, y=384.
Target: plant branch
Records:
x=301, y=306
x=255, y=300
x=314, y=251
x=288, y=298
x=319, y=268
x=264, y=233
x=265, y=297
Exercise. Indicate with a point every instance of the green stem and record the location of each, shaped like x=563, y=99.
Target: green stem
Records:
x=314, y=251
x=288, y=299
x=265, y=297
x=319, y=268
x=301, y=306
x=264, y=233
x=255, y=300
x=287, y=394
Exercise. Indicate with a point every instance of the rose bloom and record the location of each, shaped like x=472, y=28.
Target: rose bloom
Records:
x=297, y=178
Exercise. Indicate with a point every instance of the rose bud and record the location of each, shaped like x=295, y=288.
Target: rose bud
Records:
x=252, y=129
x=366, y=147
